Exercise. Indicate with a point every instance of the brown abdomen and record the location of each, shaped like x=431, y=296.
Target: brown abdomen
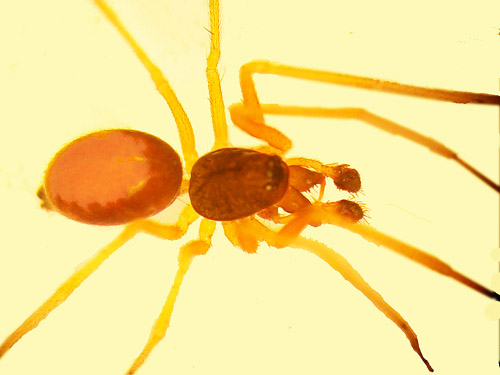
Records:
x=232, y=183
x=112, y=177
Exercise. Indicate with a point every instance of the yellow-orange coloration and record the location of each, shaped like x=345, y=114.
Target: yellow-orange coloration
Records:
x=304, y=179
x=113, y=177
x=246, y=186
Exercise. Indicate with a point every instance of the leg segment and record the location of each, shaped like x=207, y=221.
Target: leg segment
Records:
x=170, y=232
x=341, y=265
x=252, y=228
x=252, y=122
x=183, y=124
x=217, y=108
x=267, y=67
x=250, y=115
x=323, y=214
x=381, y=123
x=186, y=255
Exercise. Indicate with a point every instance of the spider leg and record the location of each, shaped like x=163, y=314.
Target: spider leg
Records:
x=252, y=122
x=267, y=67
x=217, y=108
x=170, y=232
x=321, y=213
x=341, y=265
x=186, y=255
x=162, y=85
x=381, y=123
x=249, y=115
x=251, y=228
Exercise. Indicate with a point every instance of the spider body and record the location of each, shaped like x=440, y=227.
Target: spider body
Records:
x=112, y=177
x=234, y=183
x=335, y=316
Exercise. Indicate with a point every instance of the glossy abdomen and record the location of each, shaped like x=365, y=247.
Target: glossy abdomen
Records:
x=112, y=177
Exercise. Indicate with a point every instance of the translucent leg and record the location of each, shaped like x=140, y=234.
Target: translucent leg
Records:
x=253, y=109
x=186, y=255
x=341, y=265
x=183, y=124
x=252, y=122
x=251, y=228
x=169, y=232
x=319, y=213
x=267, y=67
x=217, y=108
x=250, y=119
x=381, y=123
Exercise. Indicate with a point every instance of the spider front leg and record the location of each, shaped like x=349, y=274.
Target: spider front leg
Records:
x=330, y=213
x=251, y=122
x=249, y=115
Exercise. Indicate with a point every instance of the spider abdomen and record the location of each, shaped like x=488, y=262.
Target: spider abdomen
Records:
x=232, y=183
x=112, y=177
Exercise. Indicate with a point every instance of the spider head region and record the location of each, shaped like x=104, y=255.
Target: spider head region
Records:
x=233, y=183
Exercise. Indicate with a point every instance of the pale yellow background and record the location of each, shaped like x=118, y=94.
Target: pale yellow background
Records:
x=64, y=71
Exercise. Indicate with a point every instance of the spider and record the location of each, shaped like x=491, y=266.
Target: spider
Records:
x=336, y=246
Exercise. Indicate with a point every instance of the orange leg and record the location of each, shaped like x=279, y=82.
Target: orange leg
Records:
x=216, y=101
x=249, y=115
x=217, y=108
x=251, y=228
x=267, y=67
x=246, y=120
x=162, y=85
x=186, y=255
x=324, y=214
x=169, y=232
x=381, y=123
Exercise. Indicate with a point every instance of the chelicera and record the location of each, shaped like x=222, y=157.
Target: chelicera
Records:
x=123, y=176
